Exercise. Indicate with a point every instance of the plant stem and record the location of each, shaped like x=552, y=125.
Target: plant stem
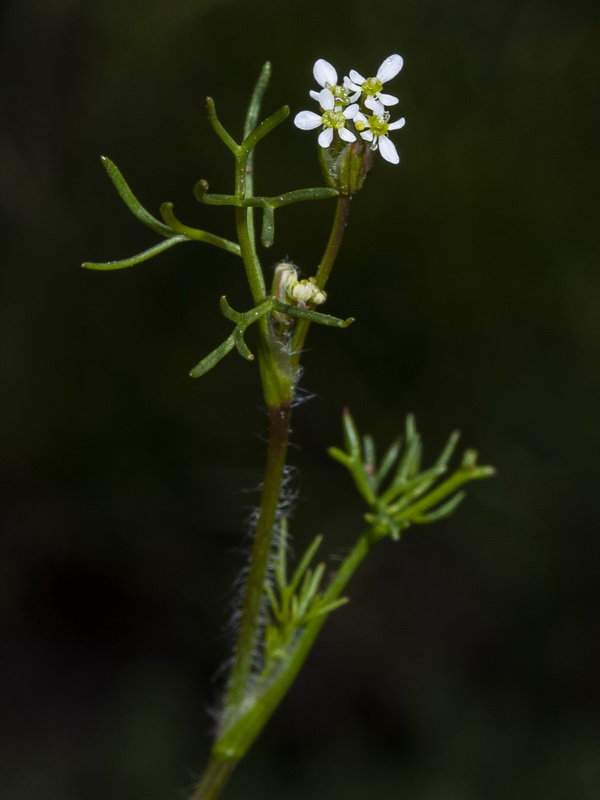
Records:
x=347, y=569
x=244, y=713
x=245, y=654
x=241, y=735
x=332, y=249
x=244, y=731
x=243, y=221
x=215, y=776
x=338, y=229
x=242, y=718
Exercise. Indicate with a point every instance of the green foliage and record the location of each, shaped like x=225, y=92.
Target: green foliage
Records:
x=397, y=491
x=243, y=320
x=270, y=652
x=294, y=603
x=266, y=204
x=174, y=231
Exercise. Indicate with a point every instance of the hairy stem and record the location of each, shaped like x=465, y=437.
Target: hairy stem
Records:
x=245, y=654
x=235, y=742
x=244, y=710
x=245, y=714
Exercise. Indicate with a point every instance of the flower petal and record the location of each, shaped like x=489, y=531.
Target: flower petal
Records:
x=325, y=74
x=375, y=106
x=350, y=112
x=326, y=99
x=356, y=77
x=388, y=150
x=326, y=137
x=314, y=95
x=307, y=120
x=387, y=99
x=346, y=135
x=400, y=123
x=367, y=136
x=390, y=68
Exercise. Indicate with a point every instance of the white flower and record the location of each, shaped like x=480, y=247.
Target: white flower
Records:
x=326, y=76
x=374, y=129
x=371, y=88
x=332, y=118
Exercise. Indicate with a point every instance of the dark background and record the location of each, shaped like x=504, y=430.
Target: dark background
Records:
x=466, y=666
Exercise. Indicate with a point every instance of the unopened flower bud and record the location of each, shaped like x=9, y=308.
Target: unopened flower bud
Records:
x=319, y=296
x=284, y=279
x=345, y=169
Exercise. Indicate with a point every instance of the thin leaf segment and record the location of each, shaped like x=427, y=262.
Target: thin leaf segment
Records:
x=397, y=491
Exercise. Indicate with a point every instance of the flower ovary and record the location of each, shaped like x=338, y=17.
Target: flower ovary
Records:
x=341, y=94
x=334, y=119
x=371, y=87
x=378, y=125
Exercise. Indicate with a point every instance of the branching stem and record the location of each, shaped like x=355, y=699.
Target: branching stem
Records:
x=280, y=618
x=244, y=714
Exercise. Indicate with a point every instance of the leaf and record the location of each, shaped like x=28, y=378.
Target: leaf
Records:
x=351, y=435
x=265, y=127
x=196, y=234
x=304, y=562
x=209, y=361
x=387, y=462
x=442, y=512
x=256, y=99
x=219, y=129
x=131, y=262
x=130, y=200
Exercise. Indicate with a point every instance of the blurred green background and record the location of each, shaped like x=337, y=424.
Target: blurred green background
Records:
x=466, y=666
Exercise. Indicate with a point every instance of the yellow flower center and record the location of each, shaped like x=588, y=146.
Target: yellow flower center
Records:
x=333, y=119
x=371, y=86
x=341, y=93
x=378, y=125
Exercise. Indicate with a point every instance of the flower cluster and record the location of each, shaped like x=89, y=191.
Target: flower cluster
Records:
x=356, y=106
x=289, y=289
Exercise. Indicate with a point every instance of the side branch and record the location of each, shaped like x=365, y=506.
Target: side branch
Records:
x=174, y=231
x=247, y=318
